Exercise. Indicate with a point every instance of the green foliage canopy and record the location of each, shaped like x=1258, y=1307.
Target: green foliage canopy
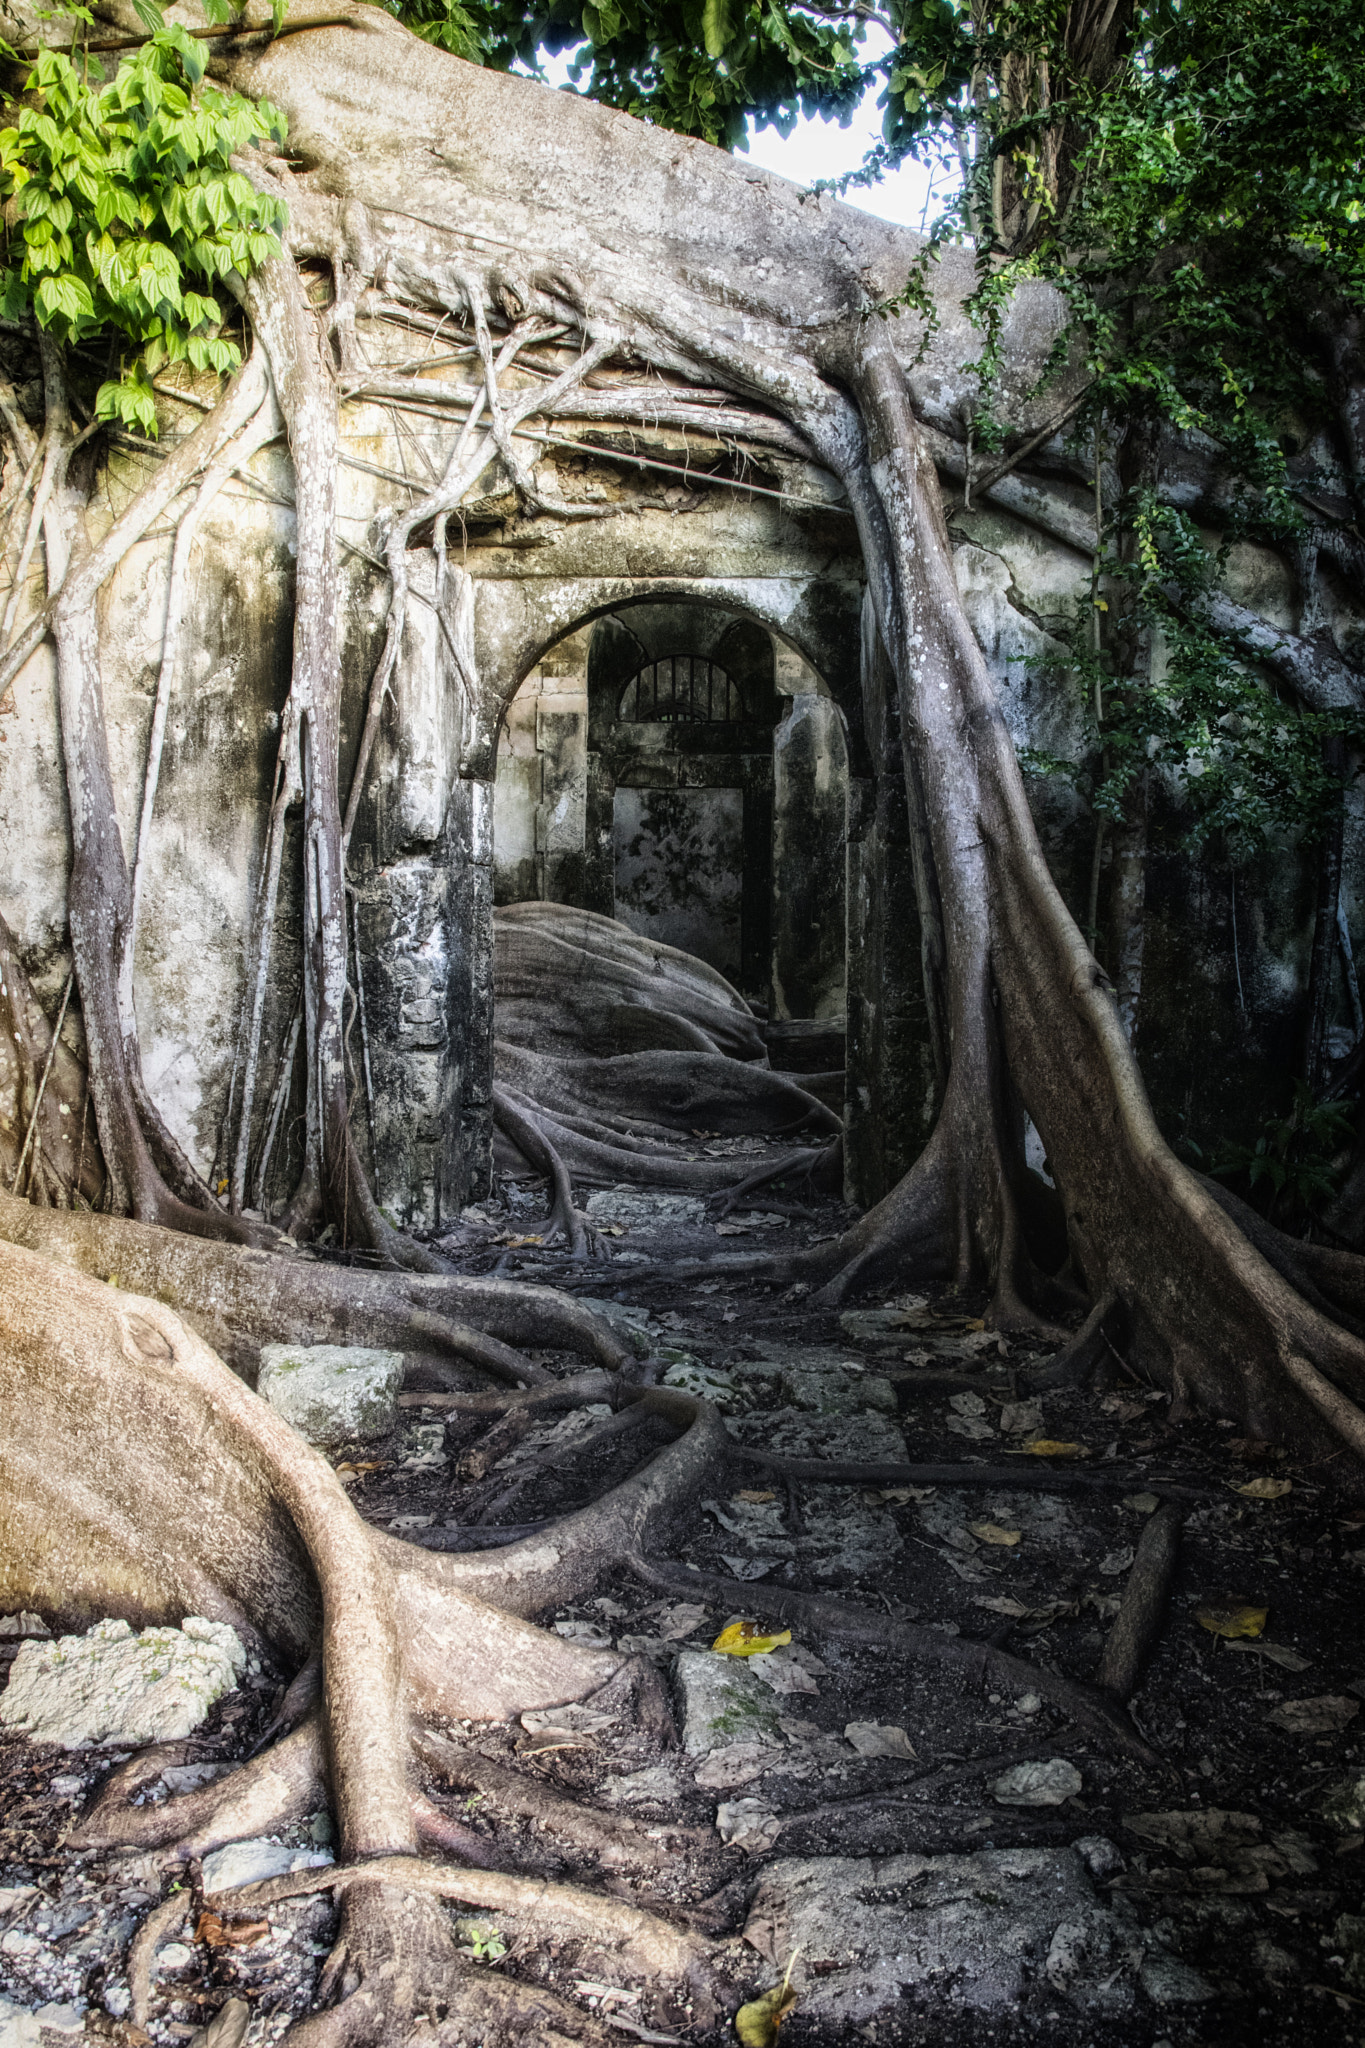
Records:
x=123, y=215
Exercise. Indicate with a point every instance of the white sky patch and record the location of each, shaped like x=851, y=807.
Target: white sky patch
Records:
x=818, y=149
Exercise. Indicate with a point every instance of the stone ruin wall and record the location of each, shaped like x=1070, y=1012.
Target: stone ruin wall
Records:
x=497, y=797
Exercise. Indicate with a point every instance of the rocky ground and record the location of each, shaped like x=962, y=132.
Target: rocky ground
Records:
x=948, y=1860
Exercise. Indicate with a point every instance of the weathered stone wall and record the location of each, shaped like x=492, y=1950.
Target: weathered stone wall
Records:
x=504, y=788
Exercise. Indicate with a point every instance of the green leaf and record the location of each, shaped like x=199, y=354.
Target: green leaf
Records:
x=719, y=22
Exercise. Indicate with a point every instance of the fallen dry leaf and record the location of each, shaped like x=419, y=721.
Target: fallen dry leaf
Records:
x=754, y=1493
x=742, y=1639
x=1278, y=1653
x=1326, y=1715
x=875, y=1738
x=756, y=2024
x=1265, y=1489
x=1048, y=1447
x=1231, y=1617
x=350, y=1469
x=991, y=1532
x=220, y=1933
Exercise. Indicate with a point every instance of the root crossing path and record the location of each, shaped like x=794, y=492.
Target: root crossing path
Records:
x=481, y=1665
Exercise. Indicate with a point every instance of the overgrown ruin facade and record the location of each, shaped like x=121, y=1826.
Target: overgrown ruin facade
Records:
x=775, y=843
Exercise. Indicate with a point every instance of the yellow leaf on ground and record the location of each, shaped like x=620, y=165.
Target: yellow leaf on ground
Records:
x=742, y=1639
x=1048, y=1447
x=1231, y=1617
x=991, y=1532
x=757, y=2023
x=1265, y=1489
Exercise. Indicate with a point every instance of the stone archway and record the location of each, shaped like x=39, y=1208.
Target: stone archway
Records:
x=679, y=766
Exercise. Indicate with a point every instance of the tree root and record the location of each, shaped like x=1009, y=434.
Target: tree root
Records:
x=1091, y=1710
x=639, y=1942
x=529, y=1134
x=1137, y=1626
x=273, y=1790
x=239, y=1299
x=558, y=1454
x=1017, y=1478
x=1078, y=1357
x=608, y=1841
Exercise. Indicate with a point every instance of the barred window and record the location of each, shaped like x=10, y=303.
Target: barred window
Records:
x=682, y=687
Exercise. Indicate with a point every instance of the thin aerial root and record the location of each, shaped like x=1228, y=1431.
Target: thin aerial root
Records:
x=1137, y=1626
x=558, y=1454
x=1089, y=1709
x=822, y=1163
x=300, y=1697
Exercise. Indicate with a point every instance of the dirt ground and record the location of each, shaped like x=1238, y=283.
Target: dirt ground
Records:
x=1236, y=1865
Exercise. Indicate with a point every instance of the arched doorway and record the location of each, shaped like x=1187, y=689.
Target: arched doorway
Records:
x=680, y=768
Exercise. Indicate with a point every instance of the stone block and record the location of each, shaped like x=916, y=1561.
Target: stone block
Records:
x=965, y=1932
x=332, y=1393
x=723, y=1703
x=111, y=1685
x=250, y=1862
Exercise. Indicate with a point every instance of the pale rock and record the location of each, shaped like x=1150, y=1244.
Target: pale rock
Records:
x=1342, y=1806
x=112, y=1686
x=644, y=1209
x=707, y=1383
x=248, y=1862
x=878, y=1325
x=654, y=1785
x=179, y=1778
x=23, y=1624
x=22, y=2028
x=332, y=1393
x=974, y=1931
x=723, y=1704
x=1049, y=1783
x=721, y=1770
x=1101, y=1857
x=627, y=1321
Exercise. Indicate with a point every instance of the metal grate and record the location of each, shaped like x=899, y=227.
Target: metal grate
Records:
x=682, y=687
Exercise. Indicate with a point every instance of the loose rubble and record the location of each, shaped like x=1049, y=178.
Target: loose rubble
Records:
x=958, y=1863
